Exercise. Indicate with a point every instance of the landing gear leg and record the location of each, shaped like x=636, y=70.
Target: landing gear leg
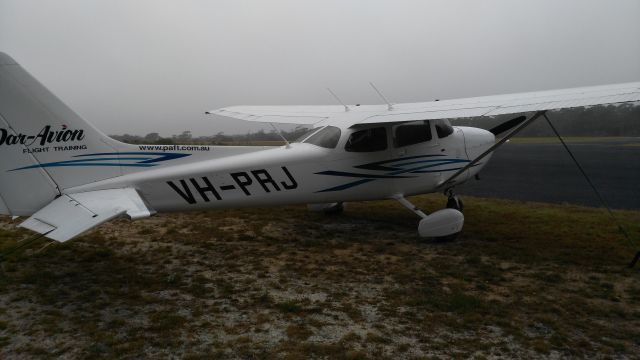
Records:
x=406, y=203
x=454, y=201
x=442, y=225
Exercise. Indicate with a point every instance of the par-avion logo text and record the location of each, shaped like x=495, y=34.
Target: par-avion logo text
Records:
x=44, y=137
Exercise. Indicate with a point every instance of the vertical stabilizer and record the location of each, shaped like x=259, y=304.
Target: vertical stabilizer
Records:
x=44, y=146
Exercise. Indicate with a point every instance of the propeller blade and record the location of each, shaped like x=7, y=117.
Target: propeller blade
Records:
x=507, y=125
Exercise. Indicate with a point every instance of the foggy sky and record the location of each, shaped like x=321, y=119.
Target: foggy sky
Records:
x=142, y=66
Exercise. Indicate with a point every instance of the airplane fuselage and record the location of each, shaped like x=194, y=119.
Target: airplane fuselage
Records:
x=301, y=173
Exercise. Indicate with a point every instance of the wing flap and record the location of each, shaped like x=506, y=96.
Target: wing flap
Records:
x=305, y=115
x=73, y=214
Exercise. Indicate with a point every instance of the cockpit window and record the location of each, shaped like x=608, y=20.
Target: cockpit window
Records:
x=306, y=134
x=368, y=140
x=327, y=137
x=443, y=128
x=412, y=133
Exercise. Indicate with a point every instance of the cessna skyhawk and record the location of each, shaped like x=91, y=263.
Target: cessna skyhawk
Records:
x=67, y=177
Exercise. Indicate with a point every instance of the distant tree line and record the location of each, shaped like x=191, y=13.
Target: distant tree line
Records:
x=611, y=120
x=186, y=138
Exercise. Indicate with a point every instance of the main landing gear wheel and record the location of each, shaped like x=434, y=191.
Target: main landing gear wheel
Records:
x=442, y=225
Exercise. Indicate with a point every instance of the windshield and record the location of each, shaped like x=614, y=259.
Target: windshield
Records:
x=305, y=135
x=327, y=137
x=443, y=128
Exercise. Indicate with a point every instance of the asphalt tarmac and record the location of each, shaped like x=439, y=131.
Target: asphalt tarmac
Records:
x=543, y=171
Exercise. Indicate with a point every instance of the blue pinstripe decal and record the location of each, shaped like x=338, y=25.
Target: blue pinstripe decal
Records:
x=394, y=169
x=130, y=159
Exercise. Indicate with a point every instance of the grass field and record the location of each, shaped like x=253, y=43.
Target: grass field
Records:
x=524, y=280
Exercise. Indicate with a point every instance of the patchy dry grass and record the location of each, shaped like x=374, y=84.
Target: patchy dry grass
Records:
x=524, y=280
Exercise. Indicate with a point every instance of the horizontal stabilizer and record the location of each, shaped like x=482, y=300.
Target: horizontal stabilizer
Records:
x=72, y=214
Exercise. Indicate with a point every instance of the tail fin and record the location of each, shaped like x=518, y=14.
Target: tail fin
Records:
x=44, y=146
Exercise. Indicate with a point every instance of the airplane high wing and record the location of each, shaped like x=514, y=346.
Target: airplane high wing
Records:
x=67, y=177
x=445, y=109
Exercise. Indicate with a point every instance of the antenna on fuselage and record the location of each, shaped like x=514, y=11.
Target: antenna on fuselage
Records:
x=389, y=105
x=281, y=136
x=346, y=108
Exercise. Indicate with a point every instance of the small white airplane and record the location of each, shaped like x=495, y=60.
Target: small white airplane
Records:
x=68, y=177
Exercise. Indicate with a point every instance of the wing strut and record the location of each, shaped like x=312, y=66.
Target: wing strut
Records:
x=446, y=183
x=410, y=206
x=595, y=190
x=281, y=136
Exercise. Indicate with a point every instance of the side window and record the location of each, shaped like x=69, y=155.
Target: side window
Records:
x=412, y=133
x=443, y=128
x=327, y=137
x=367, y=140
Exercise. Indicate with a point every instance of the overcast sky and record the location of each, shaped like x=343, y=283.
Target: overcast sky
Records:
x=139, y=66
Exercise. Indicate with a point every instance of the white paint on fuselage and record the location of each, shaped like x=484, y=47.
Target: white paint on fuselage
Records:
x=293, y=175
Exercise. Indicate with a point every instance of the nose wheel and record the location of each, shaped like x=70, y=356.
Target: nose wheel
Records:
x=454, y=201
x=442, y=225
